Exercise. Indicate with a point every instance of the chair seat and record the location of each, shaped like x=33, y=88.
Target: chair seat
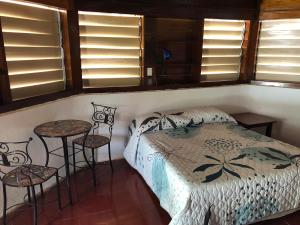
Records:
x=28, y=175
x=92, y=141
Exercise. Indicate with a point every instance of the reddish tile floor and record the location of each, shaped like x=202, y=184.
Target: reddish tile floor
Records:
x=121, y=198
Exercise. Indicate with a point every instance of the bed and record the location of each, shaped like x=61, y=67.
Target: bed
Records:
x=206, y=169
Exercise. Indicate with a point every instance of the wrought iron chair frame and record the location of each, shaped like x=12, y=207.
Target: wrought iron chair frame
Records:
x=97, y=118
x=26, y=163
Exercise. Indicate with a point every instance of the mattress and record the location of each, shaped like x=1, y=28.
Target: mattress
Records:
x=218, y=173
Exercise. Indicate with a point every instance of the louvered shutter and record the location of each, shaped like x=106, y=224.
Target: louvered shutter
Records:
x=33, y=49
x=110, y=49
x=222, y=48
x=278, y=57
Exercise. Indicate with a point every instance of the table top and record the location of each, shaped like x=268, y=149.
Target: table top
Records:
x=251, y=119
x=62, y=128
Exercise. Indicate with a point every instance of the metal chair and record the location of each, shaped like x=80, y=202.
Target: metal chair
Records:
x=103, y=115
x=23, y=174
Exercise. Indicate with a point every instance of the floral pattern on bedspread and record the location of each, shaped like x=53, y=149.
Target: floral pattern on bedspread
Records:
x=219, y=173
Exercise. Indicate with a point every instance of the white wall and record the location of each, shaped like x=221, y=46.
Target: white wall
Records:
x=283, y=104
x=280, y=103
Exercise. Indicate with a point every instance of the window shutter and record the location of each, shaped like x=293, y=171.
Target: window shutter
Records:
x=222, y=48
x=278, y=57
x=110, y=49
x=33, y=49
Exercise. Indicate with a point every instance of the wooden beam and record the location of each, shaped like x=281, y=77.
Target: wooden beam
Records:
x=279, y=9
x=71, y=45
x=5, y=93
x=279, y=5
x=230, y=9
x=249, y=50
x=62, y=4
x=198, y=31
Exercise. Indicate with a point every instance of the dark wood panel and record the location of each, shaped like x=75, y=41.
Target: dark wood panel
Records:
x=249, y=50
x=286, y=14
x=279, y=9
x=183, y=38
x=279, y=5
x=71, y=45
x=19, y=104
x=63, y=4
x=231, y=9
x=5, y=93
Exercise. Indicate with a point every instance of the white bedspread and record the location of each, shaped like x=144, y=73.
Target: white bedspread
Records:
x=217, y=173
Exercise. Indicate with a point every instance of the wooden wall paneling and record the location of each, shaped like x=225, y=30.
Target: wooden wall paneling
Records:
x=193, y=9
x=279, y=9
x=198, y=32
x=63, y=4
x=249, y=50
x=5, y=93
x=279, y=5
x=183, y=38
x=71, y=45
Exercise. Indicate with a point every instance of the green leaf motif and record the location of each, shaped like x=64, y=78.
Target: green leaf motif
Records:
x=148, y=120
x=278, y=152
x=204, y=167
x=207, y=216
x=294, y=157
x=152, y=128
x=213, y=176
x=172, y=123
x=281, y=166
x=134, y=123
x=213, y=158
x=242, y=165
x=239, y=157
x=268, y=155
x=232, y=172
x=177, y=114
x=130, y=131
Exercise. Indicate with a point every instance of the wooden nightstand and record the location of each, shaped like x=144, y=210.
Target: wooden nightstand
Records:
x=252, y=120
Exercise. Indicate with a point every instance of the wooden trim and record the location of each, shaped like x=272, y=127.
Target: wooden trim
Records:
x=63, y=4
x=279, y=9
x=142, y=49
x=174, y=9
x=19, y=104
x=198, y=31
x=160, y=87
x=275, y=5
x=249, y=50
x=291, y=14
x=276, y=84
x=5, y=93
x=71, y=45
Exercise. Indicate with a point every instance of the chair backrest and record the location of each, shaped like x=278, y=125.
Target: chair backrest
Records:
x=13, y=154
x=103, y=115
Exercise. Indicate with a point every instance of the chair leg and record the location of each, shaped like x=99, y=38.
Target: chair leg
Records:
x=94, y=167
x=42, y=189
x=58, y=191
x=74, y=158
x=35, y=213
x=4, y=204
x=109, y=154
x=29, y=194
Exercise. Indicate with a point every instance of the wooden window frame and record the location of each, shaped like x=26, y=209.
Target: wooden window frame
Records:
x=71, y=46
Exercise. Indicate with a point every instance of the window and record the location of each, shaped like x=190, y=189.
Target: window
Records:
x=278, y=57
x=110, y=49
x=33, y=49
x=222, y=49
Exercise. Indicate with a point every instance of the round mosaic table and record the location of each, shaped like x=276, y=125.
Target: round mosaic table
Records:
x=62, y=129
